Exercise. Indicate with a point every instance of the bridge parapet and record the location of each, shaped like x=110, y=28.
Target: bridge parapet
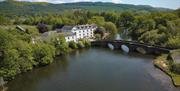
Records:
x=133, y=46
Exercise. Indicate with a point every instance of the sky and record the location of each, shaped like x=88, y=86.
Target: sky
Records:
x=172, y=4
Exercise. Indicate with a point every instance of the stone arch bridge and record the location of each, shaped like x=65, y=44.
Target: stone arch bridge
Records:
x=133, y=46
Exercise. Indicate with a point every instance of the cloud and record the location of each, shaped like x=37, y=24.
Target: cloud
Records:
x=116, y=1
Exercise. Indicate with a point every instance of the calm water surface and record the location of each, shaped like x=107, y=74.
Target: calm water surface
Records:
x=95, y=70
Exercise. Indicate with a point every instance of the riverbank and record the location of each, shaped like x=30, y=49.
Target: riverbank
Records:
x=162, y=63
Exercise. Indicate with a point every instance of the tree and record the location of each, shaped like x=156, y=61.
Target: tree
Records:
x=171, y=28
x=68, y=21
x=173, y=42
x=25, y=59
x=110, y=27
x=110, y=16
x=97, y=20
x=153, y=37
x=43, y=53
x=32, y=31
x=149, y=24
x=98, y=37
x=9, y=65
x=100, y=31
x=5, y=40
x=60, y=44
x=4, y=21
x=18, y=56
x=126, y=19
x=162, y=28
x=42, y=27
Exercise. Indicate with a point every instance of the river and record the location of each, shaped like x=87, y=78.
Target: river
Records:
x=95, y=69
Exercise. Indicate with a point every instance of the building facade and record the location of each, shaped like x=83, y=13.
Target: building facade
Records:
x=78, y=32
x=71, y=33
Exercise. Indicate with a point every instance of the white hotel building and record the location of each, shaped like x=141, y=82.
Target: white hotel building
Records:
x=78, y=32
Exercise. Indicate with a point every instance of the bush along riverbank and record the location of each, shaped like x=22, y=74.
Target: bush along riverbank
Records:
x=19, y=54
x=168, y=66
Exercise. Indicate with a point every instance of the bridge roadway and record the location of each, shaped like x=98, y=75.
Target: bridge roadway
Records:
x=133, y=46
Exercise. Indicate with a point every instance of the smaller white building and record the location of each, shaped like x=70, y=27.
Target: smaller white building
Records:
x=78, y=32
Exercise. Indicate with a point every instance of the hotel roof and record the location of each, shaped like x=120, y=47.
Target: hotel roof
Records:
x=66, y=28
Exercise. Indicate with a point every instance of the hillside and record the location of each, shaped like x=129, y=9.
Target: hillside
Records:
x=24, y=8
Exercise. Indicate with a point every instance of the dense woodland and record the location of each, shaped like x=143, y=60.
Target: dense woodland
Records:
x=159, y=28
x=18, y=54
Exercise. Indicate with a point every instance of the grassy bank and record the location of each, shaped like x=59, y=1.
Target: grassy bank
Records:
x=163, y=64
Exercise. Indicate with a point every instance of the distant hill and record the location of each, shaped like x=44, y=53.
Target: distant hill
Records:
x=23, y=8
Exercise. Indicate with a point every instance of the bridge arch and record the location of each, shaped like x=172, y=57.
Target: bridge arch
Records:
x=141, y=50
x=125, y=48
x=111, y=46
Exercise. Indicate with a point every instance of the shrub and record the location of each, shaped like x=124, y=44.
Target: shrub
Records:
x=73, y=45
x=80, y=44
x=86, y=42
x=43, y=53
x=175, y=68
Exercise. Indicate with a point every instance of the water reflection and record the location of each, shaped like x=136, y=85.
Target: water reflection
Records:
x=26, y=82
